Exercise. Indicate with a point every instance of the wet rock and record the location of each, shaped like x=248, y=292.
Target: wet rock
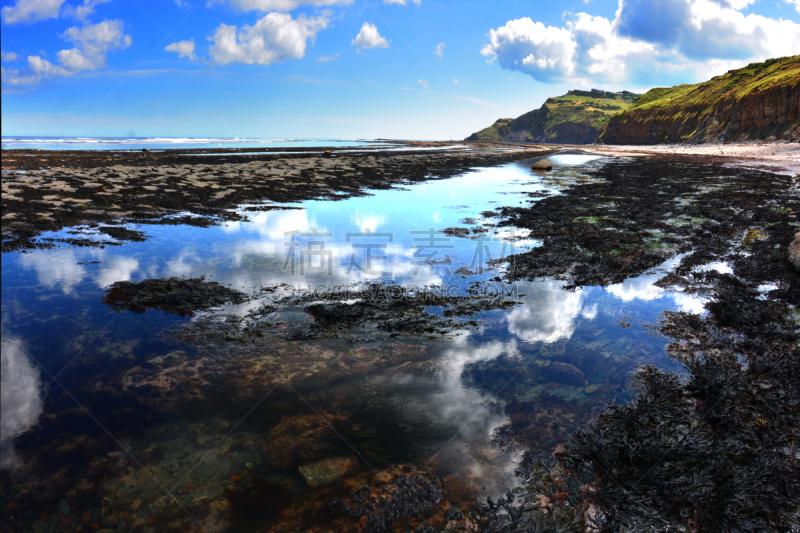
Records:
x=327, y=471
x=124, y=234
x=179, y=296
x=591, y=389
x=542, y=164
x=794, y=251
x=63, y=508
x=565, y=373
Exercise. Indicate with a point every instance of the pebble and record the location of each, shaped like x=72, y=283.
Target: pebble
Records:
x=63, y=508
x=591, y=389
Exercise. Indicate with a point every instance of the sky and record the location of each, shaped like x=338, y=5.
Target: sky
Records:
x=353, y=69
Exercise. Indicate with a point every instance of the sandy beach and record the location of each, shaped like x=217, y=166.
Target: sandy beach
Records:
x=781, y=158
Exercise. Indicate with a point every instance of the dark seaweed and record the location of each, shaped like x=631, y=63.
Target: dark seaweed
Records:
x=124, y=234
x=384, y=508
x=178, y=296
x=715, y=450
x=632, y=215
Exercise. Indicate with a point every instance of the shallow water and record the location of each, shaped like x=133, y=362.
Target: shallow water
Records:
x=72, y=367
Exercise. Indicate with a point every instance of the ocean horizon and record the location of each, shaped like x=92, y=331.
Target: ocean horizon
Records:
x=171, y=143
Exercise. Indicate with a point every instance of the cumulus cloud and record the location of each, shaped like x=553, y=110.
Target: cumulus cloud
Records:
x=369, y=37
x=795, y=3
x=81, y=12
x=544, y=52
x=9, y=56
x=183, y=49
x=400, y=2
x=266, y=6
x=275, y=38
x=92, y=43
x=439, y=50
x=647, y=38
x=29, y=11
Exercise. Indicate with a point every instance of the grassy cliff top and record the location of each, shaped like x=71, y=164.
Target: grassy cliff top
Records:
x=734, y=84
x=570, y=107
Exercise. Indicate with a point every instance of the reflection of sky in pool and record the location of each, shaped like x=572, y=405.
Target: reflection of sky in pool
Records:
x=52, y=311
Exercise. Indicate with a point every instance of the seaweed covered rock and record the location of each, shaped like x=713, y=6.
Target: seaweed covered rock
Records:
x=400, y=498
x=385, y=505
x=715, y=450
x=178, y=296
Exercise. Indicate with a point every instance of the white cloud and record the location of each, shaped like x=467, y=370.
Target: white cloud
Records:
x=544, y=52
x=439, y=50
x=9, y=56
x=548, y=315
x=29, y=11
x=647, y=41
x=795, y=3
x=21, y=403
x=92, y=42
x=43, y=68
x=81, y=12
x=455, y=80
x=325, y=59
x=183, y=49
x=400, y=2
x=275, y=38
x=266, y=6
x=424, y=83
x=369, y=37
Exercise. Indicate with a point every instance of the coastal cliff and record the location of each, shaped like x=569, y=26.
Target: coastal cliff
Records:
x=758, y=102
x=574, y=118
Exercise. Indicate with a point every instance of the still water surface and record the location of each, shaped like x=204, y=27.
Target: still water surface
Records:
x=70, y=364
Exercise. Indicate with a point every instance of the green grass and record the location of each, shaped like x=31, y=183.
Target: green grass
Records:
x=495, y=131
x=684, y=105
x=565, y=109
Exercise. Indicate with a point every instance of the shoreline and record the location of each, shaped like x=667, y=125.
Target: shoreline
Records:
x=772, y=156
x=779, y=158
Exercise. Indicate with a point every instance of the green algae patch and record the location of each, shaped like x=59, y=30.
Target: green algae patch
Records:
x=754, y=234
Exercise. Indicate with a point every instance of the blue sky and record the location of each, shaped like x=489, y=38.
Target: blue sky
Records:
x=276, y=69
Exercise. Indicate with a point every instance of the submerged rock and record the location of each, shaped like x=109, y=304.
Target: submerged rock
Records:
x=328, y=471
x=542, y=164
x=565, y=373
x=794, y=251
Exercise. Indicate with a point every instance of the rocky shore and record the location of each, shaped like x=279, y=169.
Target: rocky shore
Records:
x=48, y=191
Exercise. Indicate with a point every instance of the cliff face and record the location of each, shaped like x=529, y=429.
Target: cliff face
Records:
x=760, y=101
x=574, y=118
